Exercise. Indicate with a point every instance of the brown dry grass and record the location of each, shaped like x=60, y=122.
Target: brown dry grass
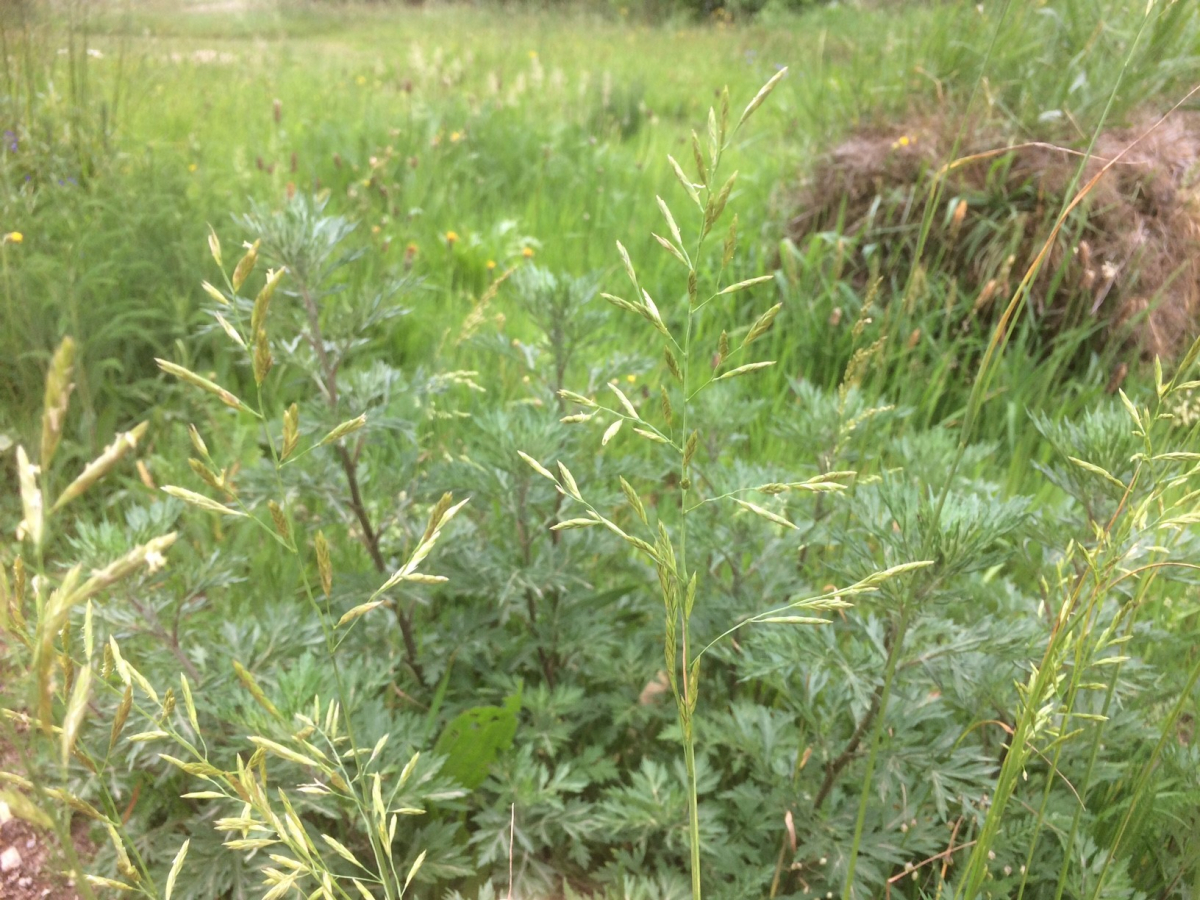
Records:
x=1130, y=263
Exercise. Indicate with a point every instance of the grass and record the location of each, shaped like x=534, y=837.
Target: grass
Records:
x=571, y=143
x=488, y=159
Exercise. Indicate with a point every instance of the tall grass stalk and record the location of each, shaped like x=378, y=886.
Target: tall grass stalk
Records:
x=901, y=630
x=1004, y=326
x=680, y=583
x=1043, y=680
x=1077, y=639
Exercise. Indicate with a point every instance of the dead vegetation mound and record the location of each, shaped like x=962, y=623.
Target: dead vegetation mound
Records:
x=1127, y=262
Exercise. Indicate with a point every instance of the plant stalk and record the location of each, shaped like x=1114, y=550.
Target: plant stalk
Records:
x=876, y=738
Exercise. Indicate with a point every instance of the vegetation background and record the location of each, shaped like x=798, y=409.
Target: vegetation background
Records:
x=368, y=247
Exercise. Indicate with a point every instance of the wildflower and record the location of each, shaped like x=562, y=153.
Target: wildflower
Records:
x=13, y=237
x=903, y=141
x=192, y=167
x=631, y=378
x=533, y=54
x=360, y=80
x=491, y=264
x=451, y=237
x=455, y=137
x=527, y=253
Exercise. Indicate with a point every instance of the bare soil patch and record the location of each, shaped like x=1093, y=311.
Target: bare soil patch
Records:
x=29, y=863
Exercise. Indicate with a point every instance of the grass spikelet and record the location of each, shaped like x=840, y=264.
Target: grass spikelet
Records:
x=57, y=396
x=101, y=465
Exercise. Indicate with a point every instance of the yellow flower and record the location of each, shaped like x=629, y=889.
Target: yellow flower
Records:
x=631, y=378
x=451, y=237
x=491, y=264
x=361, y=80
x=192, y=167
x=533, y=54
x=527, y=253
x=14, y=237
x=455, y=137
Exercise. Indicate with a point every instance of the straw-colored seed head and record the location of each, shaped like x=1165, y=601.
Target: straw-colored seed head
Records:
x=245, y=266
x=214, y=247
x=58, y=392
x=291, y=431
x=280, y=520
x=324, y=566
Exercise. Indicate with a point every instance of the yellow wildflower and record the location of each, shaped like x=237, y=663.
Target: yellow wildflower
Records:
x=13, y=237
x=451, y=237
x=491, y=264
x=527, y=253
x=631, y=378
x=192, y=167
x=361, y=80
x=455, y=137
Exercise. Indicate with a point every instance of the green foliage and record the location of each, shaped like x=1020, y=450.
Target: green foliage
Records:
x=473, y=739
x=274, y=649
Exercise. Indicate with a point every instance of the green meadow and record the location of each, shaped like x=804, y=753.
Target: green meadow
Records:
x=617, y=451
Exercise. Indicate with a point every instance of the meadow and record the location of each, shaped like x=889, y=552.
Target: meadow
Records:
x=601, y=450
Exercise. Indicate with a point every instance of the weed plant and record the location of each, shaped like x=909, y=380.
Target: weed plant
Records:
x=947, y=625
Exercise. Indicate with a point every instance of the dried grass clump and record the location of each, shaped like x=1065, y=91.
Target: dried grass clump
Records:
x=1127, y=262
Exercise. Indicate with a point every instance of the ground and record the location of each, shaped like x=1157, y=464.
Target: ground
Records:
x=27, y=863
